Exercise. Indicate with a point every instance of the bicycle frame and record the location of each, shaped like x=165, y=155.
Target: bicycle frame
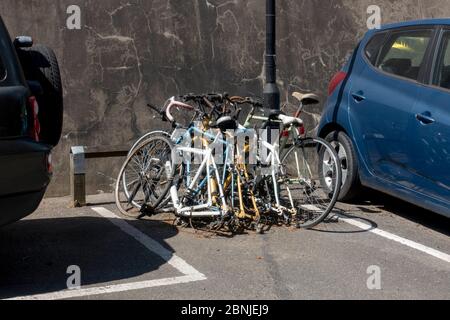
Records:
x=274, y=159
x=238, y=177
x=212, y=172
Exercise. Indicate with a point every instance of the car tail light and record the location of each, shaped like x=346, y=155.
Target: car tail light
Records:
x=35, y=130
x=336, y=81
x=49, y=163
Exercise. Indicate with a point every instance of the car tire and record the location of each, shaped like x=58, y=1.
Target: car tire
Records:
x=351, y=185
x=41, y=65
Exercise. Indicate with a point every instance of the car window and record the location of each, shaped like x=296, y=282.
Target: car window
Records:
x=404, y=53
x=442, y=71
x=374, y=46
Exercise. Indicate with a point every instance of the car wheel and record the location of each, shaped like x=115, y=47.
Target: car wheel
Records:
x=351, y=186
x=40, y=64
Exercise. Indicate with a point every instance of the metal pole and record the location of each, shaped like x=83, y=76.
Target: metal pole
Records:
x=271, y=91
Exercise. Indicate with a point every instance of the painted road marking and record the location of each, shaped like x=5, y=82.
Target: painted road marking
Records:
x=190, y=274
x=414, y=245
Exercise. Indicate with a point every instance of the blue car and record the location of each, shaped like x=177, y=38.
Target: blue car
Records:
x=388, y=114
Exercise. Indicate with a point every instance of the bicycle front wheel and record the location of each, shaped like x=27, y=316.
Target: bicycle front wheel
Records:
x=311, y=179
x=146, y=137
x=146, y=177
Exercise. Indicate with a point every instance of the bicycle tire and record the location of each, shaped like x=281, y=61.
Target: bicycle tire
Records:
x=126, y=200
x=147, y=136
x=321, y=147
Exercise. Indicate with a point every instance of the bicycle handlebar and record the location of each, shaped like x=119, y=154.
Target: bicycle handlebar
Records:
x=210, y=100
x=162, y=114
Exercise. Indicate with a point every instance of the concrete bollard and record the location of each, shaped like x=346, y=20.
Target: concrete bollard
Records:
x=78, y=177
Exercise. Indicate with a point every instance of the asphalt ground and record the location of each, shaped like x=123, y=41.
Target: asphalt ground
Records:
x=377, y=248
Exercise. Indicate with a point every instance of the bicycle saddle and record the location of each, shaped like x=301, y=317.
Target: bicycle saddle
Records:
x=306, y=98
x=225, y=123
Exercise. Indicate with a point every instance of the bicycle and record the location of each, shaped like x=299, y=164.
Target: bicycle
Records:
x=313, y=198
x=142, y=171
x=288, y=191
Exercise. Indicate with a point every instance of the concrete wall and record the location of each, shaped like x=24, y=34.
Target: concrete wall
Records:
x=130, y=52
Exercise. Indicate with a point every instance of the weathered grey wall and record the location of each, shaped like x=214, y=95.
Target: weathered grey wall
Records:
x=133, y=51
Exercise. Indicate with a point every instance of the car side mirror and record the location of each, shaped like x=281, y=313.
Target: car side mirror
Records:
x=23, y=42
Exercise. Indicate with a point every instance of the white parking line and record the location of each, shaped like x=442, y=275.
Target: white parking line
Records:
x=149, y=243
x=190, y=274
x=414, y=245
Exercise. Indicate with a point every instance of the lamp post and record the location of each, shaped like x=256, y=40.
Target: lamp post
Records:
x=271, y=91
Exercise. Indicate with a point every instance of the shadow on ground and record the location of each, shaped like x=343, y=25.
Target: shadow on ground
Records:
x=35, y=254
x=373, y=203
x=332, y=225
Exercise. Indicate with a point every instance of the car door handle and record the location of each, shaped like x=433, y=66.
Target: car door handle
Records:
x=358, y=96
x=425, y=118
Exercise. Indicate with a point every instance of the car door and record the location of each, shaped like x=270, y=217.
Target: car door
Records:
x=430, y=130
x=382, y=99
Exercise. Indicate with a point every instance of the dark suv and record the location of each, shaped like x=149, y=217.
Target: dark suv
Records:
x=31, y=109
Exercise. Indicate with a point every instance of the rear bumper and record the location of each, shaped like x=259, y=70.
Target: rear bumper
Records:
x=16, y=207
x=24, y=172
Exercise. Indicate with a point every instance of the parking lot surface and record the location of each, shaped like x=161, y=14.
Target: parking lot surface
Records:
x=378, y=248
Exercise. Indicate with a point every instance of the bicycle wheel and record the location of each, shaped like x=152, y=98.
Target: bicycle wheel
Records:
x=303, y=188
x=147, y=136
x=145, y=177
